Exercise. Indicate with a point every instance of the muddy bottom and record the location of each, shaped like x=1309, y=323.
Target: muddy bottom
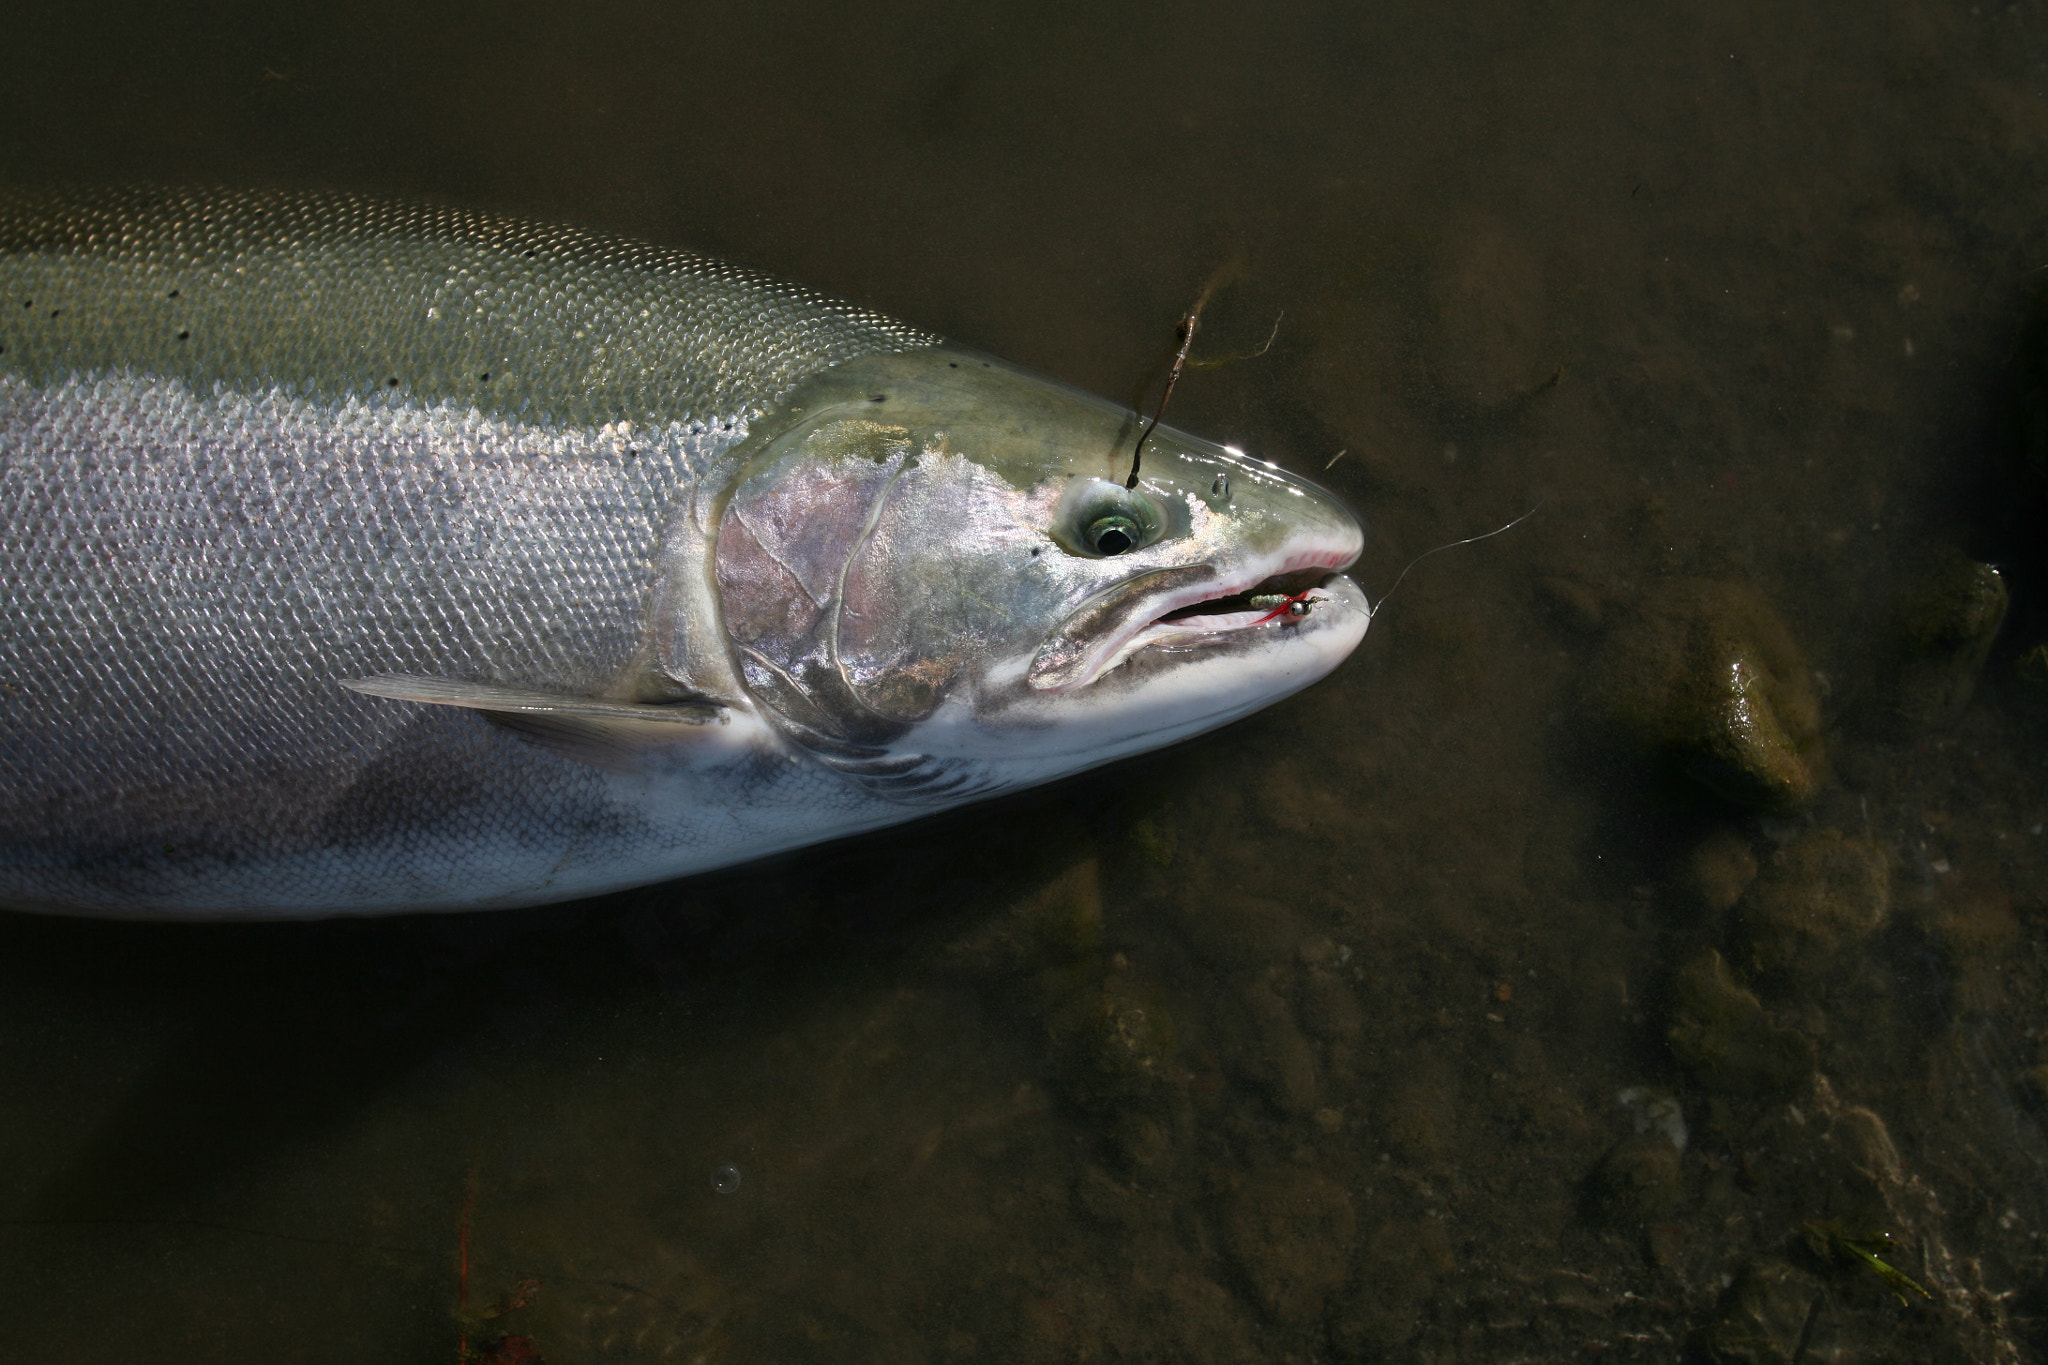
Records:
x=1637, y=951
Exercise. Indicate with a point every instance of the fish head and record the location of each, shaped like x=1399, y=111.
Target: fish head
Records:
x=933, y=575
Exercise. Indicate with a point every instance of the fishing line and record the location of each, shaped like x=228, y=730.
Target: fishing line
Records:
x=1381, y=605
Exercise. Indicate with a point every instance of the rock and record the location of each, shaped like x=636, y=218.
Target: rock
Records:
x=1114, y=1046
x=1397, y=1272
x=1231, y=931
x=1822, y=891
x=1290, y=1233
x=1329, y=1007
x=1837, y=1184
x=1717, y=871
x=1278, y=1056
x=1835, y=1165
x=1720, y=1032
x=1653, y=1111
x=1704, y=678
x=1639, y=1179
x=1101, y=1197
x=1943, y=625
x=1209, y=1324
x=1763, y=1316
x=1978, y=930
x=1142, y=1142
x=1060, y=921
x=1154, y=840
x=1419, y=1114
x=1319, y=950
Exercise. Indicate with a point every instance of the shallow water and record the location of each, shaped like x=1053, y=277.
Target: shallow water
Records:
x=1303, y=1041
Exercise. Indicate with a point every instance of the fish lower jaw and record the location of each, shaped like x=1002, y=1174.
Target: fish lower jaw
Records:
x=1297, y=580
x=1284, y=615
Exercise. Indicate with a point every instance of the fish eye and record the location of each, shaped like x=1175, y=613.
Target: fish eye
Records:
x=1113, y=534
x=1098, y=519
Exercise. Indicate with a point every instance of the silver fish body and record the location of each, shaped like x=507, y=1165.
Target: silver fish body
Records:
x=360, y=558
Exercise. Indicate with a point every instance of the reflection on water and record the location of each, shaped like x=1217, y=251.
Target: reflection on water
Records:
x=1441, y=1013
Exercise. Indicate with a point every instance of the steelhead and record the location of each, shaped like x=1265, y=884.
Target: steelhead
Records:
x=359, y=557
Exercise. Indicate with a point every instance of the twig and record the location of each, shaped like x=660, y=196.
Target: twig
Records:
x=1188, y=323
x=1203, y=362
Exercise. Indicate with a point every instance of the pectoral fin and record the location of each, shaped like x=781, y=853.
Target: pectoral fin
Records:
x=614, y=735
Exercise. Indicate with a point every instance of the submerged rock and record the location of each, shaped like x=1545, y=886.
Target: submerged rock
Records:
x=1653, y=1111
x=1399, y=1266
x=1977, y=930
x=1821, y=892
x=1058, y=922
x=1764, y=1317
x=1705, y=678
x=1329, y=1006
x=1142, y=1142
x=1418, y=1113
x=1291, y=1233
x=1640, y=1178
x=1717, y=871
x=1114, y=1046
x=1832, y=1170
x=1231, y=929
x=1842, y=1194
x=1720, y=1032
x=1276, y=1055
x=1944, y=623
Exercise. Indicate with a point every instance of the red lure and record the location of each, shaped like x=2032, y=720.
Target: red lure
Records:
x=1286, y=608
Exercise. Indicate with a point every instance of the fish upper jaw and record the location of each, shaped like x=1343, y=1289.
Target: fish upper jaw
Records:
x=1113, y=625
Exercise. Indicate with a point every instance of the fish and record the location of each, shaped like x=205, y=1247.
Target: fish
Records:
x=365, y=557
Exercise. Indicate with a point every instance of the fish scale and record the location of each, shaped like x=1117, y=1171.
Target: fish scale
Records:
x=358, y=556
x=584, y=328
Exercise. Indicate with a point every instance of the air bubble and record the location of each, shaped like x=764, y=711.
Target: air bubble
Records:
x=726, y=1179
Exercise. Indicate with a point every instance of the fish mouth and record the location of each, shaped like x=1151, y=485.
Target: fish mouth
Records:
x=1189, y=607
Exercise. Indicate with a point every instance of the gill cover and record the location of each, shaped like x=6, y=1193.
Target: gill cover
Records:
x=937, y=531
x=798, y=594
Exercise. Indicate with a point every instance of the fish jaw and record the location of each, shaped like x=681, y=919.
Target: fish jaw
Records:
x=1162, y=686
x=1185, y=682
x=1134, y=618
